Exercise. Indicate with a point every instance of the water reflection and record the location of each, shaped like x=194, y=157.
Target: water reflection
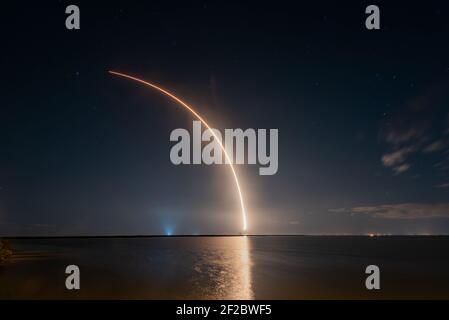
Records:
x=224, y=267
x=223, y=270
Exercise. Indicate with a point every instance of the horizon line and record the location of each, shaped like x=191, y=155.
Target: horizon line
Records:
x=221, y=235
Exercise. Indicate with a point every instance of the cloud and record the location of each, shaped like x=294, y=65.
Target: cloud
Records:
x=338, y=210
x=442, y=165
x=420, y=126
x=396, y=157
x=402, y=168
x=435, y=146
x=404, y=135
x=404, y=211
x=443, y=185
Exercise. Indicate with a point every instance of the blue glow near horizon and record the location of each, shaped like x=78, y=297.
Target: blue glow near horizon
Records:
x=168, y=231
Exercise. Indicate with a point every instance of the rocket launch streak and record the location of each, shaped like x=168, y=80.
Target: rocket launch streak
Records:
x=185, y=105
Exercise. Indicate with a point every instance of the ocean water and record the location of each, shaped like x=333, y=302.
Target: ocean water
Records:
x=253, y=267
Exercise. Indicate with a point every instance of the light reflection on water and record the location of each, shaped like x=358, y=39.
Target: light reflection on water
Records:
x=226, y=267
x=227, y=273
x=136, y=268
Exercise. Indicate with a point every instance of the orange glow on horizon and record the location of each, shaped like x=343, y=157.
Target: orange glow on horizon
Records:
x=185, y=105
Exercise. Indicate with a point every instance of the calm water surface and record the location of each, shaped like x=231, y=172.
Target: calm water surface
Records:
x=290, y=267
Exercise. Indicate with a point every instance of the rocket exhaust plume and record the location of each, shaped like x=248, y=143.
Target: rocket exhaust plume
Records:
x=185, y=105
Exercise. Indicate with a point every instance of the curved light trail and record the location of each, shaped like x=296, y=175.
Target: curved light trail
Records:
x=185, y=105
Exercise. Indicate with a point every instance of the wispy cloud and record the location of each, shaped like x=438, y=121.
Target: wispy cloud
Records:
x=400, y=136
x=402, y=168
x=443, y=185
x=435, y=146
x=419, y=127
x=397, y=156
x=338, y=210
x=404, y=211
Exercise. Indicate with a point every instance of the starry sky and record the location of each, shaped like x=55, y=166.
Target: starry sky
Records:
x=363, y=117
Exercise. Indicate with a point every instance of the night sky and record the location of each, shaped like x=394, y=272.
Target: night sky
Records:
x=363, y=117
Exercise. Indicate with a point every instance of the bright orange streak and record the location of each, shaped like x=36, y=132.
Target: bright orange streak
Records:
x=185, y=105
